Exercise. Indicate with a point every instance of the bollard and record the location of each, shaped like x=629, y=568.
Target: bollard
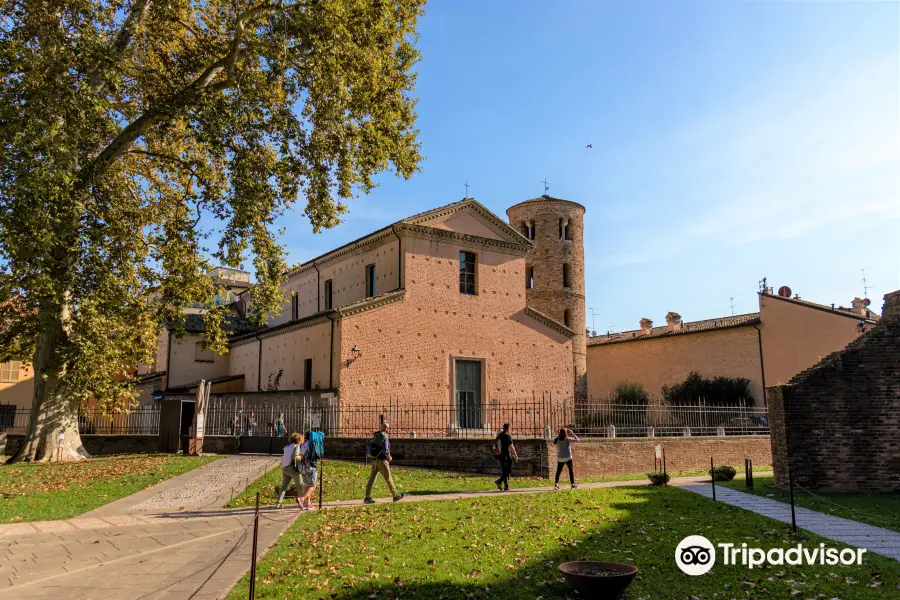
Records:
x=712, y=477
x=791, y=489
x=665, y=473
x=253, y=557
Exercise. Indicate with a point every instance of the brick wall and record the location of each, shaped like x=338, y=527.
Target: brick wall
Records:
x=836, y=426
x=602, y=458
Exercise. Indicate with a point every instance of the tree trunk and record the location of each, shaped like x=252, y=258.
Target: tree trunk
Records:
x=52, y=432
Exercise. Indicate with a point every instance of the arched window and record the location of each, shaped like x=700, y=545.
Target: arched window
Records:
x=564, y=229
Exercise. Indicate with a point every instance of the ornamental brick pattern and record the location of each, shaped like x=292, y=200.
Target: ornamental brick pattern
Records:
x=552, y=250
x=836, y=426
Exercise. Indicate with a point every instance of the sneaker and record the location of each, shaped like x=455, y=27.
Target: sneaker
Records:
x=279, y=506
x=574, y=486
x=398, y=497
x=368, y=500
x=499, y=485
x=556, y=487
x=506, y=489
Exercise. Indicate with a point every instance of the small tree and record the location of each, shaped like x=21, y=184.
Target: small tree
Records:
x=722, y=391
x=272, y=386
x=123, y=125
x=631, y=392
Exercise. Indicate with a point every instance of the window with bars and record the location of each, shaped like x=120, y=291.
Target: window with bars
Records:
x=329, y=304
x=370, y=281
x=9, y=371
x=467, y=273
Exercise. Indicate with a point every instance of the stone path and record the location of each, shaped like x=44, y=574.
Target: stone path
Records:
x=210, y=486
x=153, y=544
x=853, y=533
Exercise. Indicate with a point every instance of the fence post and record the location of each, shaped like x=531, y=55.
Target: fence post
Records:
x=253, y=557
x=712, y=477
x=665, y=473
x=791, y=489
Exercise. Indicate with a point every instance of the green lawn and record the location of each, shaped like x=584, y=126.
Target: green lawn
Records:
x=347, y=481
x=882, y=510
x=509, y=546
x=41, y=492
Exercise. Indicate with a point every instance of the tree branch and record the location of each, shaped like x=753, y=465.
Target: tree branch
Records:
x=96, y=78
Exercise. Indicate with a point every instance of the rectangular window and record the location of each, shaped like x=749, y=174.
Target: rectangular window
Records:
x=370, y=281
x=295, y=306
x=467, y=273
x=328, y=297
x=203, y=354
x=529, y=278
x=566, y=318
x=566, y=276
x=307, y=374
x=9, y=371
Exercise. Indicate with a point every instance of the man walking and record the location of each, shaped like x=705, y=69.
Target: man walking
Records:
x=508, y=455
x=379, y=450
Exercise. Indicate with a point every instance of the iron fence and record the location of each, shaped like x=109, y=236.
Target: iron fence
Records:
x=533, y=418
x=142, y=420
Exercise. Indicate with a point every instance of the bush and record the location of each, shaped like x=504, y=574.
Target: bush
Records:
x=631, y=392
x=724, y=470
x=722, y=391
x=659, y=476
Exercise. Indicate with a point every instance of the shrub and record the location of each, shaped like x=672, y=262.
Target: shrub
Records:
x=722, y=391
x=631, y=392
x=724, y=470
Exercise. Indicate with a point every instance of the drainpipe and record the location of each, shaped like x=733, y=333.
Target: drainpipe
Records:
x=331, y=354
x=169, y=361
x=259, y=366
x=399, y=258
x=318, y=288
x=762, y=365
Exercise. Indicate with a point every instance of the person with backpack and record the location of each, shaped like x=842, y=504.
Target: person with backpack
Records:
x=309, y=468
x=563, y=443
x=290, y=470
x=379, y=450
x=508, y=455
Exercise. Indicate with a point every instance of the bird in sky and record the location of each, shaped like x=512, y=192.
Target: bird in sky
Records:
x=590, y=145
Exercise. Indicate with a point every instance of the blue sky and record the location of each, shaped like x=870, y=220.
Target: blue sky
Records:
x=731, y=141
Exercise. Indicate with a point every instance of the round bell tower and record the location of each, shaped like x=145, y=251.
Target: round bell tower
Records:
x=555, y=269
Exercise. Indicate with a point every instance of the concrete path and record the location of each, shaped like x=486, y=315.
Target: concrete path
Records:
x=853, y=533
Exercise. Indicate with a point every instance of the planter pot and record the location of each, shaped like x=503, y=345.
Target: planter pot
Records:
x=658, y=480
x=723, y=476
x=593, y=579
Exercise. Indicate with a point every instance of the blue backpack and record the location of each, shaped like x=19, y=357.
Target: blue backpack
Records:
x=316, y=448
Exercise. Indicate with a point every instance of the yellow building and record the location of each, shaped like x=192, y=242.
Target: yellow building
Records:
x=768, y=347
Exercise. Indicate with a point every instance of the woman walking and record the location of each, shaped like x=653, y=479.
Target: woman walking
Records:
x=563, y=443
x=289, y=470
x=279, y=425
x=309, y=473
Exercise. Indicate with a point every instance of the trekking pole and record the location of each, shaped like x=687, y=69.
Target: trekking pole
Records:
x=253, y=557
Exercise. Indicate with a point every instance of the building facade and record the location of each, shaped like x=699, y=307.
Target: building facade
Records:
x=768, y=347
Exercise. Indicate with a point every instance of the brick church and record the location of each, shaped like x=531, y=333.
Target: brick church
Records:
x=451, y=307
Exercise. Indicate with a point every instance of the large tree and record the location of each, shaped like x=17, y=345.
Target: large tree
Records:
x=125, y=123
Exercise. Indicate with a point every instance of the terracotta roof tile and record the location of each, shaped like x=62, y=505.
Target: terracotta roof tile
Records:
x=686, y=328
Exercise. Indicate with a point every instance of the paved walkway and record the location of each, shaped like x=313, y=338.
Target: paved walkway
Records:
x=153, y=544
x=853, y=533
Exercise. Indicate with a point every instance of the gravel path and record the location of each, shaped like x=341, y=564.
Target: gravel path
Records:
x=210, y=486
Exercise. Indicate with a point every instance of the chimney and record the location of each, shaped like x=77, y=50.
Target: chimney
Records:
x=673, y=321
x=860, y=305
x=646, y=326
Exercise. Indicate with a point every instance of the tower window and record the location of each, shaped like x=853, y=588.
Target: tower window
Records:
x=295, y=308
x=567, y=275
x=370, y=281
x=567, y=319
x=529, y=278
x=528, y=230
x=564, y=229
x=329, y=304
x=467, y=273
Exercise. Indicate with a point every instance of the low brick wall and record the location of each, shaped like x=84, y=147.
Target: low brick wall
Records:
x=610, y=457
x=99, y=445
x=468, y=456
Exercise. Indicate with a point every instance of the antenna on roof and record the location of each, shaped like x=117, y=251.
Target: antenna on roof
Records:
x=865, y=287
x=762, y=286
x=732, y=306
x=546, y=186
x=593, y=322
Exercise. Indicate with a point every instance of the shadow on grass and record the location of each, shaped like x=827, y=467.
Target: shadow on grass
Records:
x=510, y=547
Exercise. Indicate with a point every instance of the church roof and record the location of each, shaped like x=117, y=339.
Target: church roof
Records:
x=686, y=328
x=547, y=199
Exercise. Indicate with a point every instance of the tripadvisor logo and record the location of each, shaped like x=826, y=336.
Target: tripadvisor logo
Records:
x=695, y=555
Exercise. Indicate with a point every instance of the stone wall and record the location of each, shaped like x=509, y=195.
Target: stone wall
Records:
x=836, y=426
